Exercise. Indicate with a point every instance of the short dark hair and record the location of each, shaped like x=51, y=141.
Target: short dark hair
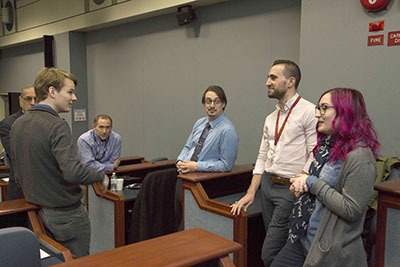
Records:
x=291, y=70
x=218, y=91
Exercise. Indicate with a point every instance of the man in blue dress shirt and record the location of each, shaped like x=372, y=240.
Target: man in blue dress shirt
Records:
x=219, y=147
x=100, y=147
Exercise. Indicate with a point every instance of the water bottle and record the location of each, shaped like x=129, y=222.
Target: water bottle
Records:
x=114, y=182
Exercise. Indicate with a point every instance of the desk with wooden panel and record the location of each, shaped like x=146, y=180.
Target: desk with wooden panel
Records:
x=388, y=227
x=129, y=160
x=125, y=161
x=108, y=212
x=16, y=206
x=185, y=248
x=206, y=203
x=141, y=169
x=21, y=205
x=4, y=170
x=4, y=188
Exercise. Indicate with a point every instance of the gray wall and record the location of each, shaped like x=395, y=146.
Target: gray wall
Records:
x=18, y=65
x=150, y=75
x=334, y=52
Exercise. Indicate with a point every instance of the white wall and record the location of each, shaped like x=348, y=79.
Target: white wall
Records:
x=334, y=52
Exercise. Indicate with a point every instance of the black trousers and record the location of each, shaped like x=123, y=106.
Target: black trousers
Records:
x=292, y=255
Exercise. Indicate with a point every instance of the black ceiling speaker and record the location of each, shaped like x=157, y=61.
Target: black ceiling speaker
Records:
x=185, y=15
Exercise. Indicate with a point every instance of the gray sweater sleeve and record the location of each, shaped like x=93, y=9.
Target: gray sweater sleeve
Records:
x=67, y=157
x=349, y=198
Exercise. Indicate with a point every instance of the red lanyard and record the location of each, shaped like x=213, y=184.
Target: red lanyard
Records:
x=279, y=133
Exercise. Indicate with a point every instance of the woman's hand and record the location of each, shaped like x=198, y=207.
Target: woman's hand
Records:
x=299, y=185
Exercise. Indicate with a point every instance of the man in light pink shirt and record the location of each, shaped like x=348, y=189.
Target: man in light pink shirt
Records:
x=289, y=136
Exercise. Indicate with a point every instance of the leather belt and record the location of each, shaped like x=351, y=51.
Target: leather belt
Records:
x=279, y=180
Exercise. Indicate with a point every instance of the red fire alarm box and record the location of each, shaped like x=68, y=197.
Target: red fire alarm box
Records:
x=375, y=5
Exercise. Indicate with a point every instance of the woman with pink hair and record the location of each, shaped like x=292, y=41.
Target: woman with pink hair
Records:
x=328, y=217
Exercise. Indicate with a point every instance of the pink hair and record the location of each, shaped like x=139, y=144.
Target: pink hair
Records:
x=351, y=126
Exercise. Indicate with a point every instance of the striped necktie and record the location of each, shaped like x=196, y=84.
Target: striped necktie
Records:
x=199, y=146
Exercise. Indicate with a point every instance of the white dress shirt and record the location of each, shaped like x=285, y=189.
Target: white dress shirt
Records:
x=293, y=152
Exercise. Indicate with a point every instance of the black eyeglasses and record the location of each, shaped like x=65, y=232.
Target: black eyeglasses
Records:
x=322, y=109
x=215, y=101
x=28, y=98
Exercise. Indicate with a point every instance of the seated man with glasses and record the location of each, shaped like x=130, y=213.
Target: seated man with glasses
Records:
x=212, y=145
x=26, y=100
x=100, y=147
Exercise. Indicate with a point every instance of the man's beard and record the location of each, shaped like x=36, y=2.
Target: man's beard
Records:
x=277, y=94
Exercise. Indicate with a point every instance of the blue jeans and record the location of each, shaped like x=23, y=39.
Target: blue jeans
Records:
x=71, y=228
x=277, y=203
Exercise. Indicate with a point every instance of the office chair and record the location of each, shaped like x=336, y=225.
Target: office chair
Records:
x=20, y=247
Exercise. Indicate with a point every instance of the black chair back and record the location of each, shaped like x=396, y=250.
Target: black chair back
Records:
x=153, y=213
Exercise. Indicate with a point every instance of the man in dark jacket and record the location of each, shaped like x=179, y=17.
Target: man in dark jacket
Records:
x=46, y=163
x=26, y=100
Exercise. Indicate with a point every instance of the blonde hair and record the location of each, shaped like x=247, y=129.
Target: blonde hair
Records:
x=48, y=77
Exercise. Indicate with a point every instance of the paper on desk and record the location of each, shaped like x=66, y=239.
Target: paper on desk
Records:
x=5, y=179
x=44, y=254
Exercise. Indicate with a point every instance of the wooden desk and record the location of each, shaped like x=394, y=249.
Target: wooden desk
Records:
x=4, y=188
x=205, y=197
x=388, y=227
x=4, y=168
x=21, y=205
x=108, y=212
x=129, y=160
x=16, y=206
x=4, y=171
x=185, y=248
x=141, y=169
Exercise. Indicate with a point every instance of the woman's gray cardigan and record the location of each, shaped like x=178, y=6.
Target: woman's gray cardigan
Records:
x=337, y=241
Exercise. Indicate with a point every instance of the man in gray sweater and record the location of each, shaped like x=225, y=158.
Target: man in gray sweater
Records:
x=47, y=165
